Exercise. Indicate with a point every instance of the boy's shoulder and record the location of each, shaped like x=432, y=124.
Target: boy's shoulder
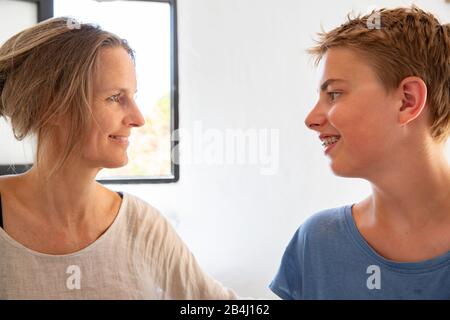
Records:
x=327, y=223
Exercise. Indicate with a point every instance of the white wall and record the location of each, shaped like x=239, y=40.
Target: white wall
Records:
x=242, y=65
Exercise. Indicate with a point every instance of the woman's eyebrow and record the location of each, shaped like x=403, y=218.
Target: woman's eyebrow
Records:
x=120, y=89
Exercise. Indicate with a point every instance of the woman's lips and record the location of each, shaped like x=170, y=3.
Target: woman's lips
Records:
x=119, y=139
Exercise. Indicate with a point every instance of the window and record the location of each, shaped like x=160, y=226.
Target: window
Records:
x=150, y=28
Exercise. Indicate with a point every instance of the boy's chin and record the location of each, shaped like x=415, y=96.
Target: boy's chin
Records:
x=344, y=170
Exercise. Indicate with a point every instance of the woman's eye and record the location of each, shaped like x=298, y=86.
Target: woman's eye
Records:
x=115, y=98
x=333, y=95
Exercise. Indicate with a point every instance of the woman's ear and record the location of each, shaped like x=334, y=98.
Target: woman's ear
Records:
x=413, y=92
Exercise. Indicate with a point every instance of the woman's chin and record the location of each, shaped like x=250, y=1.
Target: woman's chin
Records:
x=116, y=164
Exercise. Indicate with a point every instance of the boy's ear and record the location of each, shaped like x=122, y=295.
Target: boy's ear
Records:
x=413, y=92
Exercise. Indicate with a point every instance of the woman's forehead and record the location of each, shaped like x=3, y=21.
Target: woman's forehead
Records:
x=115, y=70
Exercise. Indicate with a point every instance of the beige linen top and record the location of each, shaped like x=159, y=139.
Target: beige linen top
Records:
x=140, y=256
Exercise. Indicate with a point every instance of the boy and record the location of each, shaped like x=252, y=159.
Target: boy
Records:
x=383, y=115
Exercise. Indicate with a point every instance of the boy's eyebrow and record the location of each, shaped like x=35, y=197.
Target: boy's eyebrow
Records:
x=324, y=85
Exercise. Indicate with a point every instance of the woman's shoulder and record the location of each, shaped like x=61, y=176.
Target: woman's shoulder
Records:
x=139, y=207
x=140, y=214
x=146, y=226
x=4, y=180
x=2, y=183
x=9, y=184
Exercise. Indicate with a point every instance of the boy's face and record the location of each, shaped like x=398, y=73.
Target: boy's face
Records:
x=359, y=110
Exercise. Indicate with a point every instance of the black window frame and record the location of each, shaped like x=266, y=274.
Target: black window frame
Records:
x=46, y=11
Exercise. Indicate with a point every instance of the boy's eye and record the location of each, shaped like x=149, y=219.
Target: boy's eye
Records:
x=333, y=95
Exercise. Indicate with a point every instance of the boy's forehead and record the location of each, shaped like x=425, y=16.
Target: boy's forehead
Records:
x=344, y=64
x=338, y=62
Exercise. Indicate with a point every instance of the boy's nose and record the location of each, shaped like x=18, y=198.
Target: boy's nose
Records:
x=315, y=119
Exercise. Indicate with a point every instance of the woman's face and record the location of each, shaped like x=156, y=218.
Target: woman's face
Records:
x=358, y=109
x=114, y=110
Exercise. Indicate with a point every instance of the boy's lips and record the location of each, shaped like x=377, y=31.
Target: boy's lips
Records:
x=329, y=147
x=329, y=140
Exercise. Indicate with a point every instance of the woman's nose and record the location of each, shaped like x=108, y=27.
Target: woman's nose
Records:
x=135, y=118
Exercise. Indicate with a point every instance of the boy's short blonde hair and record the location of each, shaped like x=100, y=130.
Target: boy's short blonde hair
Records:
x=399, y=43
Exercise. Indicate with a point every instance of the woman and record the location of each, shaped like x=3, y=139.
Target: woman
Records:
x=63, y=235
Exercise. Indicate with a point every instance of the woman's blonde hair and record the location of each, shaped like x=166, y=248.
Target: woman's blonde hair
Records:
x=398, y=43
x=46, y=72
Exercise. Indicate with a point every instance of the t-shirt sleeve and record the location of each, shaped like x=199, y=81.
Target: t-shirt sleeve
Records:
x=287, y=283
x=176, y=270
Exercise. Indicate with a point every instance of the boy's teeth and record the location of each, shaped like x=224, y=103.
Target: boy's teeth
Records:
x=330, y=140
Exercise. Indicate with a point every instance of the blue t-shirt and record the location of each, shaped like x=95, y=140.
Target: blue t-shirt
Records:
x=329, y=259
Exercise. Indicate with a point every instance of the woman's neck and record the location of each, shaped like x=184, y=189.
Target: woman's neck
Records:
x=67, y=199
